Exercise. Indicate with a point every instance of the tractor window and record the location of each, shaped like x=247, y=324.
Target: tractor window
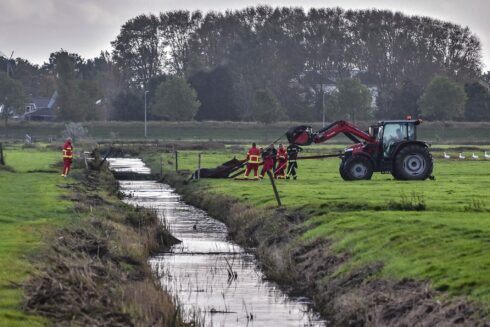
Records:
x=393, y=133
x=411, y=132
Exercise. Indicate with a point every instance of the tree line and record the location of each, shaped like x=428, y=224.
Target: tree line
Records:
x=266, y=64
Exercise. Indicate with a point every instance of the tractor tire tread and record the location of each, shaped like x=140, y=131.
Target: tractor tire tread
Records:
x=398, y=171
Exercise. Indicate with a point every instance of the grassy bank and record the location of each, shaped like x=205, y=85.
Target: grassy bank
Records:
x=436, y=132
x=434, y=233
x=31, y=207
x=72, y=253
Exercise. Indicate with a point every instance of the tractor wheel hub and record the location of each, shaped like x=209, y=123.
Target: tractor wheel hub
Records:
x=414, y=164
x=358, y=170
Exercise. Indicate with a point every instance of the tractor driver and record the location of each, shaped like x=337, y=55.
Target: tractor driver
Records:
x=392, y=134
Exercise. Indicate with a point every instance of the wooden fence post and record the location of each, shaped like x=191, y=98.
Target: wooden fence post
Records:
x=199, y=166
x=2, y=160
x=161, y=165
x=273, y=183
x=176, y=161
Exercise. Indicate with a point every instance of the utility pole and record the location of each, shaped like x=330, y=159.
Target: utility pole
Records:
x=146, y=92
x=323, y=107
x=9, y=69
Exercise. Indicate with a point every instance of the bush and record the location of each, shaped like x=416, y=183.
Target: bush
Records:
x=74, y=131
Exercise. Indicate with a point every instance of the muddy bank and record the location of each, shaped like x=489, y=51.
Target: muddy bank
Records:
x=94, y=271
x=357, y=298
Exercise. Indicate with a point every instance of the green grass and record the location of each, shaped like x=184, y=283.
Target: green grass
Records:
x=30, y=208
x=447, y=243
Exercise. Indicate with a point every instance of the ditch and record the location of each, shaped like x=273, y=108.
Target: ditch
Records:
x=215, y=281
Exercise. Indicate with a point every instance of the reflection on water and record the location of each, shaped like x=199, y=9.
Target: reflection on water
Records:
x=213, y=278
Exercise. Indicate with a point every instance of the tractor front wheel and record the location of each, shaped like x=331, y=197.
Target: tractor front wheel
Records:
x=413, y=162
x=357, y=167
x=343, y=172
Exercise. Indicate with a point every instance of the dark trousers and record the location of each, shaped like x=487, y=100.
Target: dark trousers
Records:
x=293, y=166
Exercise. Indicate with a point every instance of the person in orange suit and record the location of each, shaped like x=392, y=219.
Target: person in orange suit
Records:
x=282, y=160
x=67, y=157
x=253, y=159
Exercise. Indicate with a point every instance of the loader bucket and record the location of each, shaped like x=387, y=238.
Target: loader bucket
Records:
x=300, y=135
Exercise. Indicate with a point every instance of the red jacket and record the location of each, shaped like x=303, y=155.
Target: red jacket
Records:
x=282, y=154
x=253, y=155
x=67, y=151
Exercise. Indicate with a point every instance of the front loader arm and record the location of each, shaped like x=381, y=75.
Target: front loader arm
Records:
x=304, y=135
x=348, y=129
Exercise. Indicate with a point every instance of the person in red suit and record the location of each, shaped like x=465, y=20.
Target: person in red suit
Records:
x=268, y=159
x=67, y=157
x=282, y=160
x=253, y=158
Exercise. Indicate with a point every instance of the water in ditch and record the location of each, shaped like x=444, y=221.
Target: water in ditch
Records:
x=214, y=280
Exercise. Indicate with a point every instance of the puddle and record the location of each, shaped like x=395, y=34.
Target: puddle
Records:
x=213, y=278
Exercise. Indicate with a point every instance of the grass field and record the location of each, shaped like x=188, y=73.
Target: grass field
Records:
x=447, y=241
x=30, y=209
x=436, y=132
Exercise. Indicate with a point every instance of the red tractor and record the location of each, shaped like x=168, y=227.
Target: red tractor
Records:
x=388, y=147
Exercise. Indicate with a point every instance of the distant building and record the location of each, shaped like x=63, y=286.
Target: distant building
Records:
x=41, y=108
x=3, y=110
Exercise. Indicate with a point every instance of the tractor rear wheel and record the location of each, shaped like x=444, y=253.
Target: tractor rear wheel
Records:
x=358, y=167
x=413, y=162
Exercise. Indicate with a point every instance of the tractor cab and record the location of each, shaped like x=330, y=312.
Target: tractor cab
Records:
x=392, y=133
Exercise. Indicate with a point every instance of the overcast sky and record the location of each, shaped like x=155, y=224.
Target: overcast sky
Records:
x=35, y=28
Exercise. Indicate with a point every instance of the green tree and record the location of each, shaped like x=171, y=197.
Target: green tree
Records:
x=12, y=97
x=351, y=100
x=128, y=105
x=217, y=93
x=442, y=99
x=266, y=109
x=137, y=50
x=175, y=100
x=88, y=92
x=65, y=66
x=478, y=104
x=175, y=30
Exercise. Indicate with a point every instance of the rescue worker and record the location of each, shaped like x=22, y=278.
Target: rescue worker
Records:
x=274, y=156
x=293, y=151
x=253, y=158
x=67, y=157
x=282, y=161
x=268, y=160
